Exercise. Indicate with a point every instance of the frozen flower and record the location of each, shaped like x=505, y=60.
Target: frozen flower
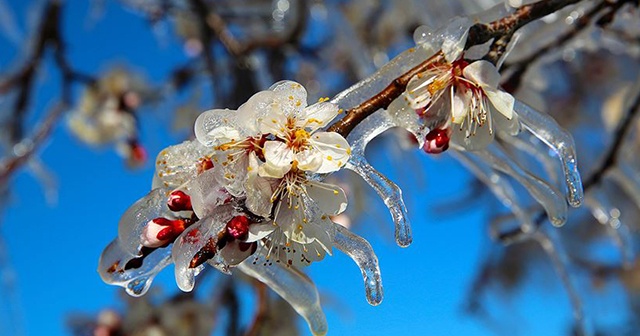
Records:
x=464, y=97
x=106, y=114
x=280, y=129
x=301, y=231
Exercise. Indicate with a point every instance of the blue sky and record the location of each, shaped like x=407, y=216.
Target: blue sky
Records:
x=54, y=248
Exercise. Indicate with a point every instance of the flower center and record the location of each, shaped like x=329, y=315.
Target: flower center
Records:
x=298, y=139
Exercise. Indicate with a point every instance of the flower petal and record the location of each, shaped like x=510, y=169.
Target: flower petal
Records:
x=215, y=127
x=483, y=73
x=175, y=165
x=258, y=231
x=330, y=198
x=255, y=107
x=455, y=37
x=501, y=101
x=317, y=115
x=291, y=96
x=259, y=191
x=278, y=157
x=272, y=120
x=460, y=101
x=334, y=149
x=309, y=160
x=471, y=142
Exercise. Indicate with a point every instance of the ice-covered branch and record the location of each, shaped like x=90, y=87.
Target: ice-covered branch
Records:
x=478, y=34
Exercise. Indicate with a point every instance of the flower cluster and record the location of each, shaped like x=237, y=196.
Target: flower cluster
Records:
x=247, y=193
x=106, y=115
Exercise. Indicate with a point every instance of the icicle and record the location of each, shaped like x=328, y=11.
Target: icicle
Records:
x=543, y=157
x=391, y=196
x=133, y=221
x=548, y=131
x=388, y=191
x=501, y=189
x=548, y=239
x=543, y=193
x=293, y=286
x=361, y=252
x=603, y=209
x=135, y=280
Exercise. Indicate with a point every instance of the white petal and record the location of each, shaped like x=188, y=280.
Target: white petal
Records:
x=291, y=96
x=317, y=115
x=278, y=157
x=459, y=105
x=309, y=160
x=258, y=231
x=483, y=73
x=302, y=221
x=334, y=149
x=259, y=190
x=175, y=165
x=249, y=112
x=501, y=101
x=215, y=127
x=330, y=198
x=272, y=120
x=453, y=45
x=472, y=142
x=507, y=126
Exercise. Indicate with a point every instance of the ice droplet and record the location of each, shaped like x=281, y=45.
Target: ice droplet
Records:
x=361, y=252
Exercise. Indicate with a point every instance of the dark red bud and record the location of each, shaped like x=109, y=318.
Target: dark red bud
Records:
x=238, y=227
x=165, y=234
x=179, y=201
x=437, y=141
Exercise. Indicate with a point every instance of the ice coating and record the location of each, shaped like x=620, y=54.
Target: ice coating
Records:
x=543, y=157
x=206, y=193
x=293, y=286
x=390, y=194
x=192, y=240
x=558, y=139
x=136, y=281
x=388, y=191
x=602, y=208
x=551, y=243
x=542, y=192
x=175, y=165
x=361, y=252
x=133, y=221
x=375, y=83
x=501, y=189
